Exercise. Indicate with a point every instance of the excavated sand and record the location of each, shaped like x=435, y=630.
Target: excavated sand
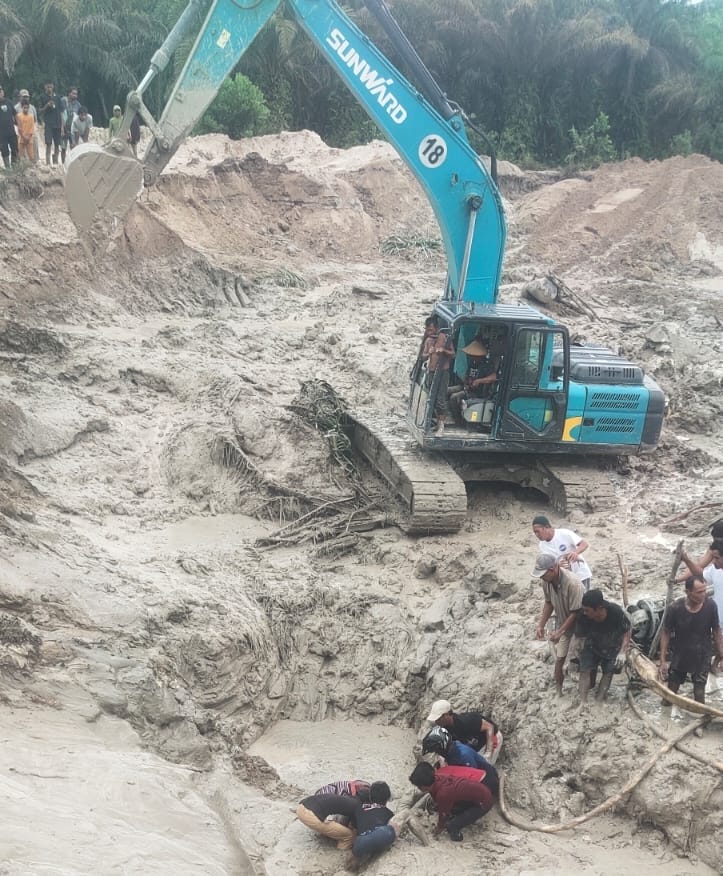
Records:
x=169, y=687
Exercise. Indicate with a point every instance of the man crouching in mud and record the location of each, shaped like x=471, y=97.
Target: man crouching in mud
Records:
x=460, y=802
x=375, y=830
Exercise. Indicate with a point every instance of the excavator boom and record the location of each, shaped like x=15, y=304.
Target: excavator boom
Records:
x=427, y=131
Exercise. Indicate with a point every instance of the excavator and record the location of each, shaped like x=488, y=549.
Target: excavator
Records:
x=552, y=403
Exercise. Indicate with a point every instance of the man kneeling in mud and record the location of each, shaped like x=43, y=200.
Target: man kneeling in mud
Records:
x=460, y=802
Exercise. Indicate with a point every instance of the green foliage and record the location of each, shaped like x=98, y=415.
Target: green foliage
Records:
x=239, y=110
x=593, y=146
x=682, y=144
x=532, y=71
x=405, y=244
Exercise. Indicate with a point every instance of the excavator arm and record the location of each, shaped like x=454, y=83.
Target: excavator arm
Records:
x=426, y=130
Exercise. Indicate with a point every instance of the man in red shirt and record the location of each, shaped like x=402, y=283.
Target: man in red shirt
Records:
x=459, y=801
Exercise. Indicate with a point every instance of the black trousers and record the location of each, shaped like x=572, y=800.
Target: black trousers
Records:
x=464, y=814
x=9, y=146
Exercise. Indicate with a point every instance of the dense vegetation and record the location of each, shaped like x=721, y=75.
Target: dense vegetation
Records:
x=550, y=80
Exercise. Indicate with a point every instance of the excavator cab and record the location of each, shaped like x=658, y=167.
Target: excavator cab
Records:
x=526, y=402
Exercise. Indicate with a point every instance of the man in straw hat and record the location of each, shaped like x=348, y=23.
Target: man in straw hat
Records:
x=479, y=379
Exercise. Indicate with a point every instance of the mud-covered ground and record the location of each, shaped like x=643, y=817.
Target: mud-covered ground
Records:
x=176, y=667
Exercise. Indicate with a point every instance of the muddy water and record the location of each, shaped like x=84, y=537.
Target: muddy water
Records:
x=309, y=754
x=81, y=796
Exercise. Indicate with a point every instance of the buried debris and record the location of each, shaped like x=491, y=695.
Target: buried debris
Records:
x=648, y=674
x=551, y=290
x=607, y=805
x=701, y=758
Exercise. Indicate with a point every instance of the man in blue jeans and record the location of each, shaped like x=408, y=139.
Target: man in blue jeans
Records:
x=374, y=832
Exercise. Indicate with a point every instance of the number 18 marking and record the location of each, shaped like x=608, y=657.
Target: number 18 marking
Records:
x=432, y=151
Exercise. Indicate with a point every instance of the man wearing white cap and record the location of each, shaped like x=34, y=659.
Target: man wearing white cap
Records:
x=563, y=599
x=115, y=122
x=470, y=728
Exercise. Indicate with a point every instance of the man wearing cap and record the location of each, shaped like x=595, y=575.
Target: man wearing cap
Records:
x=605, y=630
x=565, y=545
x=22, y=95
x=114, y=123
x=479, y=379
x=563, y=598
x=469, y=728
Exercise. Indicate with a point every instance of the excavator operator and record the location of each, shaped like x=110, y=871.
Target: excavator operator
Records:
x=479, y=380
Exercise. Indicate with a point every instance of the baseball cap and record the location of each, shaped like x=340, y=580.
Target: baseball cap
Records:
x=544, y=563
x=441, y=707
x=116, y=107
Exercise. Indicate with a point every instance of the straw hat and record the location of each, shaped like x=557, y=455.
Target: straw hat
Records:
x=475, y=348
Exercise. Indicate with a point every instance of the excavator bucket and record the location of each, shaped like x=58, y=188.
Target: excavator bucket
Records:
x=100, y=184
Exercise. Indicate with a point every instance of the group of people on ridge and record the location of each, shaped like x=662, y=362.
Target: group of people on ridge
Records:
x=62, y=119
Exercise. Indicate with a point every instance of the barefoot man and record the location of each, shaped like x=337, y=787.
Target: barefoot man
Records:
x=563, y=599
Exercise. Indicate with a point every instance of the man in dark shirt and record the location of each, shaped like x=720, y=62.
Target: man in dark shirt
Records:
x=605, y=629
x=691, y=628
x=8, y=137
x=479, y=380
x=50, y=109
x=71, y=107
x=313, y=812
x=470, y=728
x=375, y=832
x=459, y=802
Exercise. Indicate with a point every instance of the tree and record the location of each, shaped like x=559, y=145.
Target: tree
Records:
x=97, y=45
x=238, y=110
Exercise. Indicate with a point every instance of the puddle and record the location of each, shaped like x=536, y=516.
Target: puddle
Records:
x=310, y=754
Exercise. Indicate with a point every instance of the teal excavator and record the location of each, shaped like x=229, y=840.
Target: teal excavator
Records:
x=551, y=403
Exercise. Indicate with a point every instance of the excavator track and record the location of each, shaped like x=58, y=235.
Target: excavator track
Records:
x=432, y=493
x=431, y=486
x=570, y=485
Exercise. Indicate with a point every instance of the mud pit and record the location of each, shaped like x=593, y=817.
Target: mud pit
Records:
x=149, y=644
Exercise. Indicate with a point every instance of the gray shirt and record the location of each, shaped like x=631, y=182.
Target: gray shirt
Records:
x=565, y=595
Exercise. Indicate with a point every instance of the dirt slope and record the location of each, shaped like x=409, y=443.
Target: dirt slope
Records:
x=147, y=445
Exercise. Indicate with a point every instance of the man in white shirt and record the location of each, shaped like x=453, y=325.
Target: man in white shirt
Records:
x=566, y=546
x=713, y=573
